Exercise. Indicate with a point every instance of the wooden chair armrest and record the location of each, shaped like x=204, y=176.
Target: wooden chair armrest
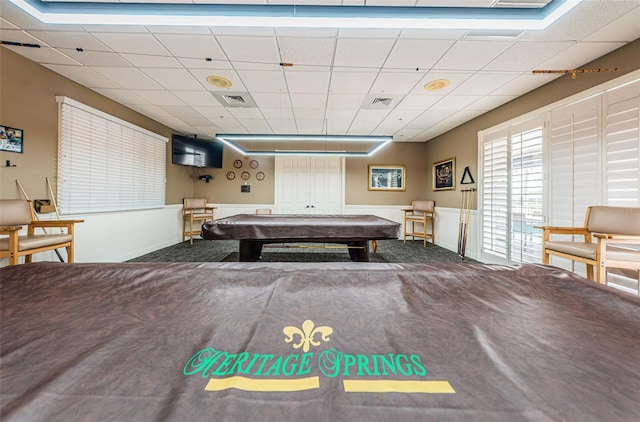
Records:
x=55, y=223
x=210, y=208
x=563, y=230
x=407, y=210
x=616, y=236
x=8, y=229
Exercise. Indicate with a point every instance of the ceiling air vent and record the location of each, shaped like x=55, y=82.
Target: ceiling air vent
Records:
x=380, y=102
x=234, y=99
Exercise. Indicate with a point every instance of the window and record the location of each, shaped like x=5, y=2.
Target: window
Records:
x=106, y=164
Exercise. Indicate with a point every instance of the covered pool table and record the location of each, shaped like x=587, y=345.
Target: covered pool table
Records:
x=255, y=230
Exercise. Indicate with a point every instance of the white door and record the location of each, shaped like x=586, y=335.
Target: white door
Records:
x=309, y=185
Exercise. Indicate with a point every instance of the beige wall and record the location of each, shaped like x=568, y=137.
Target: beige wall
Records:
x=462, y=142
x=27, y=102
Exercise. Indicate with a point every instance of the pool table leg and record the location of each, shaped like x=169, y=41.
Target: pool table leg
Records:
x=359, y=251
x=250, y=251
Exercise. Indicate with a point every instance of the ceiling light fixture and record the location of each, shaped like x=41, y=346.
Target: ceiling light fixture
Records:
x=219, y=81
x=347, y=145
x=437, y=85
x=301, y=16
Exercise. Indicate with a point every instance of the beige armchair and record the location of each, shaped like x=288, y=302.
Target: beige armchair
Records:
x=16, y=213
x=423, y=213
x=617, y=241
x=195, y=211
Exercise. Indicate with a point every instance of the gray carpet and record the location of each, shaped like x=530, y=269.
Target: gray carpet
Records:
x=227, y=251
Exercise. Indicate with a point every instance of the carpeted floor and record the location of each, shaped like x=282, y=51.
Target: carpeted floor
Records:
x=227, y=251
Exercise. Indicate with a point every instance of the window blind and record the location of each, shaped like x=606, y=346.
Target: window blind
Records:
x=106, y=164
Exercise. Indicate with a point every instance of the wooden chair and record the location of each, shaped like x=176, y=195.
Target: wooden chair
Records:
x=16, y=213
x=195, y=211
x=617, y=234
x=422, y=212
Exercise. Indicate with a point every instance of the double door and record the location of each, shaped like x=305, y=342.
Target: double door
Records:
x=309, y=185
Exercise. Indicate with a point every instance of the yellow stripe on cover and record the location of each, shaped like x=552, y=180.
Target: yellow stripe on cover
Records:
x=250, y=384
x=388, y=386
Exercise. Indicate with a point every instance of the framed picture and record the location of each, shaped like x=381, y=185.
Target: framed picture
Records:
x=444, y=175
x=10, y=139
x=386, y=177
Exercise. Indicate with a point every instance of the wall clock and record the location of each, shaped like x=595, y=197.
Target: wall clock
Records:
x=245, y=175
x=231, y=175
x=237, y=164
x=260, y=175
x=253, y=164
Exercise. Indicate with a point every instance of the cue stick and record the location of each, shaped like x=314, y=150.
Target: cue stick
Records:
x=53, y=199
x=34, y=216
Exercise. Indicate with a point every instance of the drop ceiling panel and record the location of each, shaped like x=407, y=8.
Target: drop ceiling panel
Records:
x=263, y=81
x=179, y=111
x=307, y=32
x=171, y=29
x=483, y=83
x=308, y=100
x=307, y=82
x=369, y=33
x=471, y=55
x=172, y=79
x=99, y=58
x=578, y=55
x=68, y=39
x=625, y=28
x=132, y=43
x=362, y=52
x=242, y=32
x=43, y=55
x=412, y=54
x=116, y=29
x=524, y=56
x=455, y=79
x=419, y=102
x=201, y=75
x=490, y=102
x=345, y=101
x=455, y=102
x=128, y=77
x=352, y=82
x=396, y=82
x=271, y=100
x=280, y=113
x=406, y=135
x=246, y=113
x=256, y=125
x=250, y=49
x=523, y=84
x=15, y=35
x=310, y=125
x=307, y=51
x=122, y=96
x=309, y=113
x=197, y=98
x=4, y=24
x=143, y=60
x=159, y=98
x=83, y=76
x=204, y=64
x=396, y=120
x=283, y=127
x=366, y=120
x=191, y=46
x=428, y=118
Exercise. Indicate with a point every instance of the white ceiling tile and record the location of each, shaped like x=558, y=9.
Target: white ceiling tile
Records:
x=192, y=46
x=396, y=82
x=345, y=101
x=174, y=79
x=209, y=131
x=525, y=56
x=524, y=84
x=122, y=96
x=455, y=102
x=277, y=113
x=307, y=82
x=579, y=54
x=215, y=114
x=471, y=55
x=83, y=75
x=433, y=34
x=366, y=120
x=483, y=83
x=405, y=135
x=159, y=98
x=310, y=126
x=197, y=98
x=128, y=77
x=490, y=102
x=195, y=120
x=352, y=82
x=308, y=100
x=255, y=125
x=171, y=29
x=245, y=113
x=428, y=118
x=120, y=29
x=283, y=126
x=5, y=24
x=307, y=32
x=98, y=58
x=396, y=120
x=242, y=32
x=43, y=55
x=71, y=39
x=412, y=54
x=309, y=113
x=362, y=52
x=625, y=28
x=15, y=35
x=179, y=111
x=307, y=51
x=263, y=81
x=204, y=64
x=368, y=33
x=250, y=49
x=143, y=60
x=132, y=43
x=418, y=102
x=271, y=100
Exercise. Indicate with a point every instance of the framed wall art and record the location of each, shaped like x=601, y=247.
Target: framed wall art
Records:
x=11, y=139
x=387, y=177
x=444, y=175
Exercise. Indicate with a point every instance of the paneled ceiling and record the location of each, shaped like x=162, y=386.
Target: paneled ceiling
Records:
x=320, y=80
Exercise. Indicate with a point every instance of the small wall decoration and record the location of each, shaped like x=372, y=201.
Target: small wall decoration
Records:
x=11, y=139
x=387, y=177
x=237, y=164
x=467, y=178
x=444, y=174
x=260, y=175
x=253, y=164
x=245, y=175
x=231, y=175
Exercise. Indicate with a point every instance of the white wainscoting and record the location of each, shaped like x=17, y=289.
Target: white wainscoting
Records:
x=117, y=237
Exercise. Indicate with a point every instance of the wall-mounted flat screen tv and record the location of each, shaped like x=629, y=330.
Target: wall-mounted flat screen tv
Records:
x=188, y=151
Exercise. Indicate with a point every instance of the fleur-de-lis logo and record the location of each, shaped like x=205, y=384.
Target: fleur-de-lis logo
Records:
x=307, y=334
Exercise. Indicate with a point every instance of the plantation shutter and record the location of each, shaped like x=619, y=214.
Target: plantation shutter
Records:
x=106, y=164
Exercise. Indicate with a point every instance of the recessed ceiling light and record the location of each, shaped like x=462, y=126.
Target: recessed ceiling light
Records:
x=219, y=81
x=436, y=85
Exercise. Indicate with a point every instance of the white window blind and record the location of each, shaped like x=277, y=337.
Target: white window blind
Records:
x=106, y=164
x=623, y=146
x=495, y=194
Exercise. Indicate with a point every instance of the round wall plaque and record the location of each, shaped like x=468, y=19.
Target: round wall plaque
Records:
x=231, y=175
x=260, y=175
x=237, y=164
x=245, y=175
